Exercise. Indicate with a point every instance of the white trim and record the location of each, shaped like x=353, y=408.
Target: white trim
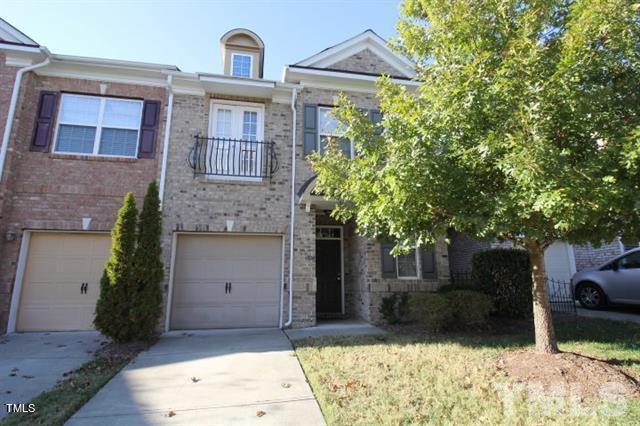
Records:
x=99, y=126
x=17, y=286
x=292, y=212
x=12, y=34
x=165, y=143
x=250, y=56
x=174, y=245
x=172, y=264
x=418, y=267
x=281, y=304
x=341, y=228
x=344, y=75
x=238, y=81
x=366, y=40
x=237, y=107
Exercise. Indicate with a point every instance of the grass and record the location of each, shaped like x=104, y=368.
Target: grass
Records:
x=55, y=406
x=453, y=379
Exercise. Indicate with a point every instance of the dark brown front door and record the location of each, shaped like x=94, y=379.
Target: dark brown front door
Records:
x=329, y=276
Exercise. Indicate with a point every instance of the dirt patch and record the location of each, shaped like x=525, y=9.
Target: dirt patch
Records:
x=569, y=374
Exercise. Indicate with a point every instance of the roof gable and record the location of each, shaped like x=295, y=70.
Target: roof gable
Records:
x=366, y=41
x=10, y=34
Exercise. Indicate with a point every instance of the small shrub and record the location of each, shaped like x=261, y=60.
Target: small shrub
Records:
x=505, y=276
x=469, y=308
x=432, y=310
x=403, y=306
x=388, y=309
x=395, y=308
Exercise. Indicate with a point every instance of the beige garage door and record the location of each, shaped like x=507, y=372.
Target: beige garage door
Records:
x=57, y=265
x=226, y=282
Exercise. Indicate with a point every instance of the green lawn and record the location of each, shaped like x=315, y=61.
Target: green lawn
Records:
x=453, y=379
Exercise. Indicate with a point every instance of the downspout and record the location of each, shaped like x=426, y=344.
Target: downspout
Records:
x=165, y=143
x=12, y=111
x=292, y=215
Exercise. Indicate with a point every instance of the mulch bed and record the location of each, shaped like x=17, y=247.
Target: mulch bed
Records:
x=568, y=372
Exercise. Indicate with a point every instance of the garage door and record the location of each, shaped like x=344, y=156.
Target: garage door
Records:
x=57, y=265
x=226, y=282
x=559, y=267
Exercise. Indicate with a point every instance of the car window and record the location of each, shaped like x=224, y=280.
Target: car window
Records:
x=631, y=261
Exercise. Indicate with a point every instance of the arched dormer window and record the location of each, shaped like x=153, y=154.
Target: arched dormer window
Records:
x=242, y=53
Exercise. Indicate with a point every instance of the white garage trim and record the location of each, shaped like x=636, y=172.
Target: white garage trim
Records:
x=572, y=259
x=174, y=244
x=16, y=294
x=17, y=286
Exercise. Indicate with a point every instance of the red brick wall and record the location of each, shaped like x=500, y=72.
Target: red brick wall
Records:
x=54, y=192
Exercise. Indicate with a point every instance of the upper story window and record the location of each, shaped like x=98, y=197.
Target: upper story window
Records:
x=241, y=65
x=235, y=147
x=330, y=130
x=98, y=126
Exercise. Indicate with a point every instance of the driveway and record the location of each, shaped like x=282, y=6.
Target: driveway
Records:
x=208, y=377
x=31, y=363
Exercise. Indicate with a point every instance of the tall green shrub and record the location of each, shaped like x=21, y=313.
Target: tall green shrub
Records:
x=116, y=286
x=148, y=267
x=505, y=275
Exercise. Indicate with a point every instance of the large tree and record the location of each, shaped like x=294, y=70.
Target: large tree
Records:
x=523, y=128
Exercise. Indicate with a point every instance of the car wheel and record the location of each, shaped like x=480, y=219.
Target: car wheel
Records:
x=591, y=296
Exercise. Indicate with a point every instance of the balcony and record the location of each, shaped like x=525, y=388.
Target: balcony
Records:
x=233, y=158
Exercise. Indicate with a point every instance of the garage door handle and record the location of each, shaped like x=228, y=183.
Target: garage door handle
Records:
x=83, y=288
x=230, y=287
x=226, y=287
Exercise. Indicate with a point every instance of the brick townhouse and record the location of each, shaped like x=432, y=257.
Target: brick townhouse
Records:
x=247, y=242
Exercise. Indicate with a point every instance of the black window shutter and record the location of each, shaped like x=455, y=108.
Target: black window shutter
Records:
x=149, y=129
x=428, y=259
x=310, y=129
x=43, y=128
x=388, y=261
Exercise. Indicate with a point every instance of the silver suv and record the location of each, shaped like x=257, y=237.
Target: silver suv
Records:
x=616, y=281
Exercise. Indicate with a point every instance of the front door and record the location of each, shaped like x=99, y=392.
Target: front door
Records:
x=329, y=270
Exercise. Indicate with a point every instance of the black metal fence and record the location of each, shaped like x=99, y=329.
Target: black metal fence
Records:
x=233, y=158
x=561, y=294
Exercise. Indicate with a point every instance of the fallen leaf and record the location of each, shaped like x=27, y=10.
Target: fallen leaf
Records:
x=26, y=376
x=195, y=379
x=14, y=369
x=260, y=413
x=170, y=414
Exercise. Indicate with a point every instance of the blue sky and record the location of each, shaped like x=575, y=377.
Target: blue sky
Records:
x=187, y=33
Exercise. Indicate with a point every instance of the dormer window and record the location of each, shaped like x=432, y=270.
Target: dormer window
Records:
x=241, y=65
x=242, y=54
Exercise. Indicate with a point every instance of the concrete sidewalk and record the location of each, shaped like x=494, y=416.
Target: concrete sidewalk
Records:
x=631, y=314
x=335, y=328
x=216, y=377
x=31, y=363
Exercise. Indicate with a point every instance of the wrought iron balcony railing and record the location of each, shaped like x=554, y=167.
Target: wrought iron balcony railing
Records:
x=233, y=158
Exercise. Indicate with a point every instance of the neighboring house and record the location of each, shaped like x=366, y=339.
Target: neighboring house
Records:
x=562, y=259
x=247, y=241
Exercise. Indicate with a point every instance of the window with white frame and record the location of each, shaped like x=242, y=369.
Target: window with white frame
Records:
x=417, y=263
x=94, y=125
x=331, y=131
x=241, y=65
x=235, y=148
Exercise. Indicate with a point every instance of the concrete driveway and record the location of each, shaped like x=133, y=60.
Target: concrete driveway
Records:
x=216, y=377
x=31, y=363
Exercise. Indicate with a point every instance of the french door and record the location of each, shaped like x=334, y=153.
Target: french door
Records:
x=235, y=144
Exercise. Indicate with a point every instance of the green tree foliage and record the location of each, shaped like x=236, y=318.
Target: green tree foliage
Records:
x=148, y=269
x=116, y=286
x=523, y=127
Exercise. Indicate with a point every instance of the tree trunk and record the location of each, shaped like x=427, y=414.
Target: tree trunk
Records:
x=543, y=322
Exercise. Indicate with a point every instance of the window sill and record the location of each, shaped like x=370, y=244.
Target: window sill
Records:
x=232, y=180
x=88, y=157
